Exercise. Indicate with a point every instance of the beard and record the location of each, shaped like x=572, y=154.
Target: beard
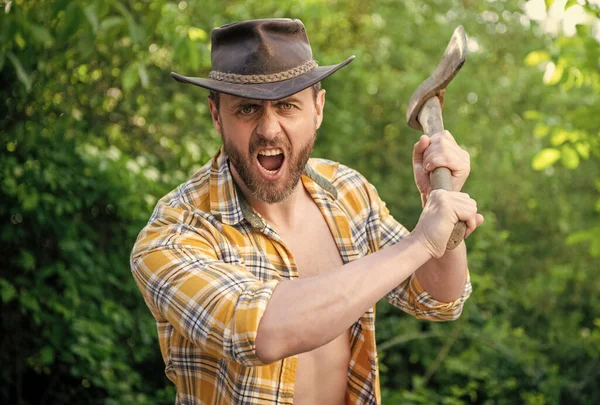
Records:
x=245, y=164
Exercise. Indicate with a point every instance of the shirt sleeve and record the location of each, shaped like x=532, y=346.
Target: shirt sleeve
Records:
x=410, y=296
x=182, y=274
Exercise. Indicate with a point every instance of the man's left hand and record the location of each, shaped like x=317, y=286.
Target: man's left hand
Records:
x=439, y=150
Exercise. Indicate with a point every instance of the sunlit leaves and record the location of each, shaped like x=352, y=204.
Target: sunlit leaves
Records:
x=569, y=157
x=583, y=149
x=532, y=115
x=541, y=130
x=553, y=73
x=536, y=57
x=568, y=147
x=578, y=137
x=570, y=3
x=544, y=158
x=197, y=34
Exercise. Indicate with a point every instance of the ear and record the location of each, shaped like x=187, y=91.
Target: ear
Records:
x=214, y=114
x=319, y=106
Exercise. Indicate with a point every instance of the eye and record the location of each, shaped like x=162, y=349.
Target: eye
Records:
x=286, y=106
x=247, y=110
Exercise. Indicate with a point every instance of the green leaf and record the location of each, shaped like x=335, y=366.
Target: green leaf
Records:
x=197, y=34
x=569, y=158
x=532, y=115
x=46, y=355
x=135, y=31
x=111, y=22
x=7, y=291
x=570, y=3
x=130, y=77
x=541, y=130
x=28, y=301
x=20, y=41
x=21, y=73
x=27, y=260
x=583, y=30
x=548, y=3
x=583, y=149
x=536, y=57
x=578, y=237
x=40, y=34
x=58, y=6
x=73, y=16
x=555, y=75
x=559, y=137
x=143, y=75
x=90, y=13
x=546, y=157
x=2, y=60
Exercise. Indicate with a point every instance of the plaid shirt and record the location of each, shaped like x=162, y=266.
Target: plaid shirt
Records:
x=207, y=264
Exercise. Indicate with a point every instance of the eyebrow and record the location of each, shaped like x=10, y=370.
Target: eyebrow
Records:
x=249, y=101
x=291, y=99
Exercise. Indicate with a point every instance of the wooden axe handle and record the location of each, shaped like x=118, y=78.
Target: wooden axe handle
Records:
x=430, y=118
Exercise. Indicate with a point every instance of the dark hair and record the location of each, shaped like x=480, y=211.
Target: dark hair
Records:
x=214, y=95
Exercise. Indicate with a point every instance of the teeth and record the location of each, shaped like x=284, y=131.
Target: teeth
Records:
x=271, y=171
x=270, y=152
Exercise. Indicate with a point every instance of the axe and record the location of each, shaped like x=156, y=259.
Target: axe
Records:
x=424, y=112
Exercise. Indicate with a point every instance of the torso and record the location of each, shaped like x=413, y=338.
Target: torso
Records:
x=322, y=374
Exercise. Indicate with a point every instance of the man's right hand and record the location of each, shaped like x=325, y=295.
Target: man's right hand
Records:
x=442, y=211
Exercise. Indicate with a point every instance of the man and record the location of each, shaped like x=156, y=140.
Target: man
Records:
x=263, y=270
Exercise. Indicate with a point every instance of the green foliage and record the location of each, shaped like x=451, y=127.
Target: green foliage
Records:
x=571, y=111
x=93, y=131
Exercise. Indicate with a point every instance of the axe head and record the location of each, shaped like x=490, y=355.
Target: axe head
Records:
x=435, y=85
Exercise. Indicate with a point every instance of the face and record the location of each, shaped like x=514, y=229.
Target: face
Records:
x=269, y=142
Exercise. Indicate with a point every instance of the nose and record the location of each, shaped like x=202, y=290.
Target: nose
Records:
x=268, y=123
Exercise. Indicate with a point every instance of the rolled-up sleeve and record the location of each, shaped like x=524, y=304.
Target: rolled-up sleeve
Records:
x=215, y=305
x=413, y=299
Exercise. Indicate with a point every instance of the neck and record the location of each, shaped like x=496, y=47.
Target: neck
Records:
x=283, y=214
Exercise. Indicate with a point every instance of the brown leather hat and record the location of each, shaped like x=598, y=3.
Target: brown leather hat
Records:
x=265, y=59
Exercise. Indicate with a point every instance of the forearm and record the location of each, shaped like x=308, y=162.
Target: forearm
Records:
x=445, y=278
x=305, y=314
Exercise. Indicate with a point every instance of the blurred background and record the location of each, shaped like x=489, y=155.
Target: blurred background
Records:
x=93, y=131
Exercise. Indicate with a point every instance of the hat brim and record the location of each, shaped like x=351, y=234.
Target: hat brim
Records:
x=266, y=91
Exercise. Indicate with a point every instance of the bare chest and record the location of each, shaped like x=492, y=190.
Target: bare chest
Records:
x=321, y=374
x=312, y=246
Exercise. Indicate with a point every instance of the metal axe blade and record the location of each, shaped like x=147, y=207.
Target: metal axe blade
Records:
x=435, y=85
x=425, y=112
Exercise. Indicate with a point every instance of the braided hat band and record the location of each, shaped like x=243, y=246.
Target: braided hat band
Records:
x=267, y=78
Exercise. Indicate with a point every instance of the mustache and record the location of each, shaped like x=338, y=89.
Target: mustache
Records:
x=261, y=143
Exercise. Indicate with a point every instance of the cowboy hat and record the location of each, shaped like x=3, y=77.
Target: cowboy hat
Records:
x=267, y=59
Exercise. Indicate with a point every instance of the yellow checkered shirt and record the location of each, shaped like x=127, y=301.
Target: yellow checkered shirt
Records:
x=207, y=264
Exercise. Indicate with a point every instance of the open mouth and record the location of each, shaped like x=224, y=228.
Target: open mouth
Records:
x=271, y=160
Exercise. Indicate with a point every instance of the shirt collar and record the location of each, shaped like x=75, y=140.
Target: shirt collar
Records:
x=227, y=202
